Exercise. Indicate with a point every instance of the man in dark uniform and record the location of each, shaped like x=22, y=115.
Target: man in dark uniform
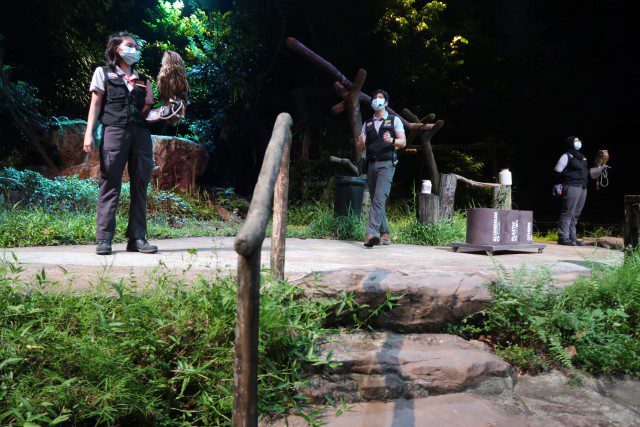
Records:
x=380, y=136
x=572, y=176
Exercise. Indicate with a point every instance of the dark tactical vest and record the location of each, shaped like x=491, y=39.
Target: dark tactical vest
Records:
x=121, y=106
x=377, y=148
x=576, y=173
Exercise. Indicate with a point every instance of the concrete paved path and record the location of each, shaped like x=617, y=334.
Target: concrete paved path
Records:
x=204, y=255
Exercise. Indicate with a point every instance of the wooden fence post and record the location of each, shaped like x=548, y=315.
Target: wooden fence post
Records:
x=631, y=221
x=245, y=384
x=248, y=244
x=448, y=184
x=280, y=200
x=502, y=197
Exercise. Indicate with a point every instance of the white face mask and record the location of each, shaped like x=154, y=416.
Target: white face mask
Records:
x=377, y=103
x=130, y=55
x=577, y=144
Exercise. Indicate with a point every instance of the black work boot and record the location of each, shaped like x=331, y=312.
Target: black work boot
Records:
x=566, y=242
x=141, y=245
x=104, y=247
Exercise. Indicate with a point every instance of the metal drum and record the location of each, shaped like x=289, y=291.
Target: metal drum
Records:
x=494, y=230
x=509, y=227
x=484, y=226
x=525, y=235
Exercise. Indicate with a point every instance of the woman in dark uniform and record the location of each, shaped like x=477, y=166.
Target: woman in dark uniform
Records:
x=572, y=177
x=120, y=99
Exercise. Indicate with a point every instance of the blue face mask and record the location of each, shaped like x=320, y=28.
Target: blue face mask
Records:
x=130, y=55
x=577, y=144
x=377, y=103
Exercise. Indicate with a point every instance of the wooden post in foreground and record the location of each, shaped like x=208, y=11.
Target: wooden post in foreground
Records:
x=248, y=243
x=631, y=221
x=245, y=378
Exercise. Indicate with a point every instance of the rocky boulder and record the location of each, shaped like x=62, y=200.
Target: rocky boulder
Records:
x=178, y=161
x=550, y=399
x=426, y=302
x=583, y=401
x=460, y=409
x=385, y=366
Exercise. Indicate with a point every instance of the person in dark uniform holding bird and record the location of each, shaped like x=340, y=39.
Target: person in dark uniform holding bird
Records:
x=572, y=177
x=380, y=136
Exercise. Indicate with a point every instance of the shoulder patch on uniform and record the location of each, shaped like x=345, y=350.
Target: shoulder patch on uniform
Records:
x=369, y=123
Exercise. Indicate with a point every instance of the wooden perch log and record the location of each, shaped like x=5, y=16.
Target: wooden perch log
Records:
x=501, y=194
x=298, y=47
x=448, y=184
x=475, y=183
x=353, y=108
x=345, y=162
x=429, y=208
x=425, y=142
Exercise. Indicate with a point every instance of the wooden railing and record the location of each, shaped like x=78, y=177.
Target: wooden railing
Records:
x=274, y=178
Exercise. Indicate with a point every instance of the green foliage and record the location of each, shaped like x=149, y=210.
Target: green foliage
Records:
x=593, y=324
x=318, y=222
x=35, y=226
x=160, y=356
x=223, y=55
x=410, y=230
x=432, y=50
x=30, y=188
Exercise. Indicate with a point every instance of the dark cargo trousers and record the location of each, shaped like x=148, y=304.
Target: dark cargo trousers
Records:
x=573, y=199
x=379, y=179
x=129, y=145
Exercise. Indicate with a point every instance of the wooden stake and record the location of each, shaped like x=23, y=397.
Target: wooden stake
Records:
x=429, y=208
x=280, y=200
x=448, y=184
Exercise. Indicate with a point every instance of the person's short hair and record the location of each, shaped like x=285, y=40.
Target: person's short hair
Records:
x=383, y=92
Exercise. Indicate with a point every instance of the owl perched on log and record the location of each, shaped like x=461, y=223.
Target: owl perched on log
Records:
x=602, y=158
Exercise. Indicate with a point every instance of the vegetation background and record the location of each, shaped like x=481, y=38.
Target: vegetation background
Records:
x=521, y=73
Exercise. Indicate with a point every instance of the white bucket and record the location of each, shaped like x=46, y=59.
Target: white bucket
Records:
x=426, y=186
x=504, y=177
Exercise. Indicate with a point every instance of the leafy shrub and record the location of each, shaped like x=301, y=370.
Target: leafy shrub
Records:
x=30, y=188
x=593, y=324
x=65, y=193
x=318, y=222
x=160, y=356
x=38, y=227
x=410, y=230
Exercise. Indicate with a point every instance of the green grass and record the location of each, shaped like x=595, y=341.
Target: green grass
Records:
x=318, y=222
x=162, y=355
x=37, y=226
x=593, y=324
